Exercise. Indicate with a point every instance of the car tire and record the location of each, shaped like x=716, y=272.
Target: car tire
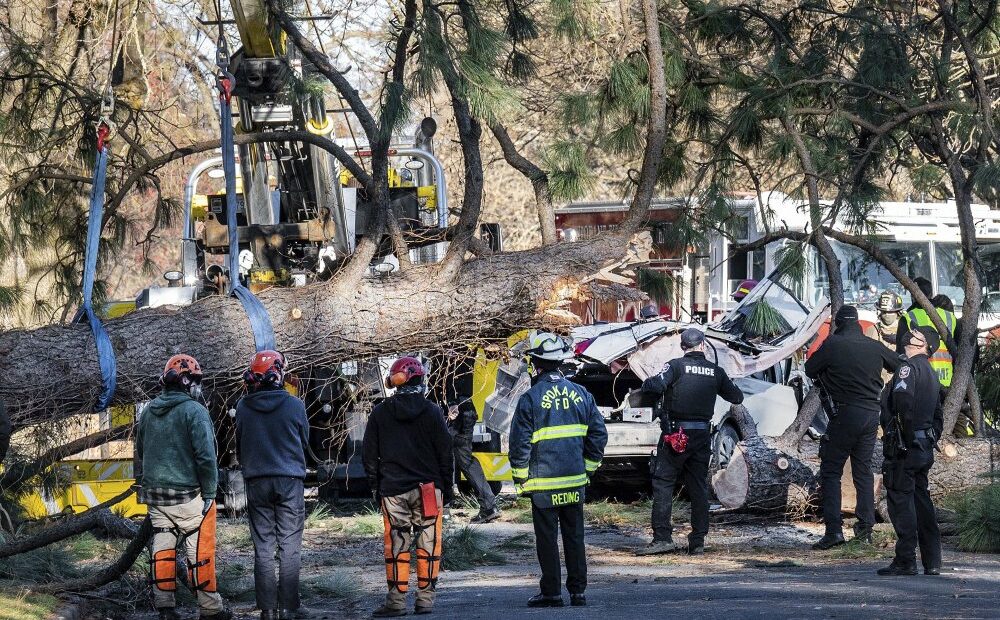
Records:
x=725, y=444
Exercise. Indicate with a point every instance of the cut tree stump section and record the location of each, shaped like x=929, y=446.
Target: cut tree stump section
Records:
x=764, y=475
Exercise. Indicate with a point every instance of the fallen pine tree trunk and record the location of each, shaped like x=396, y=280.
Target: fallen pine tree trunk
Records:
x=112, y=572
x=53, y=371
x=764, y=474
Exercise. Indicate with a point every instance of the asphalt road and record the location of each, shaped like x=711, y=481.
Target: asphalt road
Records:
x=844, y=591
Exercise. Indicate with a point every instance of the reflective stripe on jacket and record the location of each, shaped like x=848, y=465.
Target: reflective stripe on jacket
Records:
x=941, y=360
x=557, y=436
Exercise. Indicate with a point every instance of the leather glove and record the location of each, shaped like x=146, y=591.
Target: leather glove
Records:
x=520, y=481
x=207, y=507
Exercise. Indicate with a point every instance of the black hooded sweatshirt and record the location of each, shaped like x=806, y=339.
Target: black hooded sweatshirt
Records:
x=850, y=365
x=407, y=443
x=272, y=434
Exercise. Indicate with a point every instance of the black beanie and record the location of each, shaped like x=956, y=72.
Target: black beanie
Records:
x=846, y=314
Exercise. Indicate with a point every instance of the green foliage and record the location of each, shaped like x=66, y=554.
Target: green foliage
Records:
x=338, y=584
x=318, y=515
x=979, y=519
x=659, y=285
x=466, y=547
x=569, y=18
x=569, y=175
x=764, y=320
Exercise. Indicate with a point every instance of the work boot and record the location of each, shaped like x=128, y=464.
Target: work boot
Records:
x=577, y=600
x=659, y=546
x=168, y=613
x=269, y=614
x=898, y=570
x=486, y=517
x=829, y=541
x=389, y=612
x=933, y=570
x=541, y=600
x=222, y=614
x=302, y=613
x=420, y=610
x=696, y=550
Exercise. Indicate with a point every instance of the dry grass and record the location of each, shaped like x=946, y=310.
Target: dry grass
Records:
x=22, y=605
x=883, y=540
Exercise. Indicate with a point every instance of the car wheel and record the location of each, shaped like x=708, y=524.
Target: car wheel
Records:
x=725, y=445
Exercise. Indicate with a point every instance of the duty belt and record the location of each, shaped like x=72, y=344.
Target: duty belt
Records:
x=693, y=425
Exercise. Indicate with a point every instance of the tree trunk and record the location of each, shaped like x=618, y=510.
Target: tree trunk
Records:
x=764, y=475
x=20, y=472
x=109, y=573
x=53, y=372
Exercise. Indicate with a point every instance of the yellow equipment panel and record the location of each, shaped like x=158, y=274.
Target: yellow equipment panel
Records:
x=89, y=483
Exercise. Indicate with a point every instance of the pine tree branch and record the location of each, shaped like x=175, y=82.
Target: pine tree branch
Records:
x=539, y=182
x=110, y=573
x=656, y=127
x=16, y=474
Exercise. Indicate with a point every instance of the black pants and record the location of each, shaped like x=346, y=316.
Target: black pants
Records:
x=547, y=523
x=692, y=466
x=276, y=506
x=473, y=472
x=852, y=433
x=910, y=507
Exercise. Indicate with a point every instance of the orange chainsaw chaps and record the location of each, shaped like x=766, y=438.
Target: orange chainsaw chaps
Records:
x=203, y=571
x=397, y=567
x=164, y=570
x=429, y=560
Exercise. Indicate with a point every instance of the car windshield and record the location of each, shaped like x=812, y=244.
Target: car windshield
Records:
x=789, y=313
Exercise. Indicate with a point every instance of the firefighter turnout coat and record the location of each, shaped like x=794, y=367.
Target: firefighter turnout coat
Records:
x=557, y=436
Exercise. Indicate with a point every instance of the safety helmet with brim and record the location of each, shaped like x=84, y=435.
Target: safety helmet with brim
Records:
x=549, y=346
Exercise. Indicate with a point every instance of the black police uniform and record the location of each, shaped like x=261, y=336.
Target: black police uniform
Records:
x=688, y=387
x=850, y=364
x=458, y=393
x=913, y=406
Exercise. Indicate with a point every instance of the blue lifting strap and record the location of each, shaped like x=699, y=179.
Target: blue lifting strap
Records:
x=260, y=321
x=105, y=352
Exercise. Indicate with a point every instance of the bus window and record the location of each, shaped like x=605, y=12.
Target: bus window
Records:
x=865, y=279
x=951, y=275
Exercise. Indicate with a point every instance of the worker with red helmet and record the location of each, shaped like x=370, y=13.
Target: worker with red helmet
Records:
x=272, y=435
x=407, y=457
x=177, y=475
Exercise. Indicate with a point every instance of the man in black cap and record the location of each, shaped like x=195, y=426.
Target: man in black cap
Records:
x=687, y=389
x=912, y=420
x=848, y=371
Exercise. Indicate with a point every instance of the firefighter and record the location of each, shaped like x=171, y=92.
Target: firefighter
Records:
x=940, y=360
x=272, y=433
x=177, y=479
x=890, y=310
x=848, y=371
x=407, y=457
x=686, y=392
x=743, y=289
x=557, y=440
x=912, y=421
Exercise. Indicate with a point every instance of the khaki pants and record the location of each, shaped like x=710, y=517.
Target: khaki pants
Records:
x=184, y=521
x=403, y=516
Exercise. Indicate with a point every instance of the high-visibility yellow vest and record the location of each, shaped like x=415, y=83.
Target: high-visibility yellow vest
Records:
x=941, y=360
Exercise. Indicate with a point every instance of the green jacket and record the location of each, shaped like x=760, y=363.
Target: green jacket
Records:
x=175, y=445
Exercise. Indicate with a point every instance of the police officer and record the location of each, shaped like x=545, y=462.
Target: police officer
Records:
x=557, y=440
x=848, y=368
x=912, y=420
x=687, y=389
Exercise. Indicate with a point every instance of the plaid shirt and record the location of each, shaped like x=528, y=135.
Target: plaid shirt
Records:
x=166, y=497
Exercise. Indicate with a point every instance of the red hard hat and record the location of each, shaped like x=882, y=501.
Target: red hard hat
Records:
x=179, y=366
x=265, y=366
x=404, y=369
x=744, y=289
